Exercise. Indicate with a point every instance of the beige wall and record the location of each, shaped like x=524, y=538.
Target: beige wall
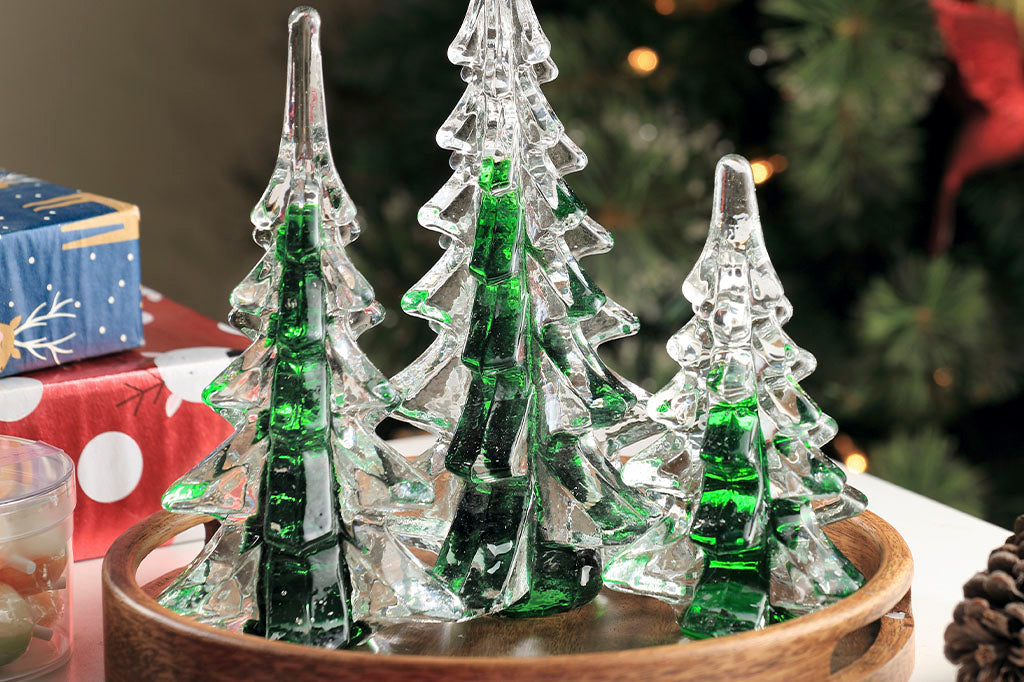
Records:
x=161, y=103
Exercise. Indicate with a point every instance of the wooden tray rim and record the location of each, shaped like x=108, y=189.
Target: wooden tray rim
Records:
x=886, y=587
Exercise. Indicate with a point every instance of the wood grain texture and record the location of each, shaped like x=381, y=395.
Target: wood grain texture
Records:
x=868, y=636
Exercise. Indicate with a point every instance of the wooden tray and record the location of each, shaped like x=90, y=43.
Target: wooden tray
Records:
x=868, y=636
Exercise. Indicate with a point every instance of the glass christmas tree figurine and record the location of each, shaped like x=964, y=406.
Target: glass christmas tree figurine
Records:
x=527, y=415
x=304, y=487
x=742, y=545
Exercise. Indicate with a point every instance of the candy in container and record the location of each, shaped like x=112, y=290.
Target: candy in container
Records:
x=15, y=625
x=37, y=498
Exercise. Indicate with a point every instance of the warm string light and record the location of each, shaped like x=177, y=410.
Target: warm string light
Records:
x=764, y=169
x=643, y=60
x=857, y=463
x=669, y=7
x=854, y=459
x=942, y=377
x=778, y=162
x=665, y=7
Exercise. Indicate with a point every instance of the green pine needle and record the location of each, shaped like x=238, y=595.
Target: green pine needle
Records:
x=928, y=333
x=925, y=462
x=855, y=76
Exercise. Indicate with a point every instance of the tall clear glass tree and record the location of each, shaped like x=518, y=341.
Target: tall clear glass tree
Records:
x=741, y=463
x=527, y=416
x=304, y=486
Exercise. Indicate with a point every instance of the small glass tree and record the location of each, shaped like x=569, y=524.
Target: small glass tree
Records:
x=742, y=545
x=304, y=486
x=527, y=415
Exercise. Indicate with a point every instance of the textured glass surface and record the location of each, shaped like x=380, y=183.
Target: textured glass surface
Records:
x=528, y=418
x=750, y=490
x=304, y=488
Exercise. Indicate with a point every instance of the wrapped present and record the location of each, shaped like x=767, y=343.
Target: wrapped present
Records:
x=69, y=275
x=131, y=421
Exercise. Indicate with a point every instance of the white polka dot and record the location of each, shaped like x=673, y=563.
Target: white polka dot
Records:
x=53, y=213
x=147, y=317
x=49, y=287
x=46, y=217
x=38, y=196
x=110, y=467
x=120, y=283
x=186, y=372
x=103, y=330
x=10, y=304
x=110, y=300
x=19, y=397
x=123, y=338
x=131, y=256
x=31, y=260
x=92, y=256
x=151, y=294
x=78, y=304
x=17, y=196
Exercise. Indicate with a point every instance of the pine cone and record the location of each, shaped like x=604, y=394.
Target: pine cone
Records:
x=986, y=637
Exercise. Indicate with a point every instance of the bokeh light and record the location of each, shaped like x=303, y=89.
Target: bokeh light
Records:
x=643, y=60
x=665, y=7
x=856, y=462
x=778, y=162
x=762, y=170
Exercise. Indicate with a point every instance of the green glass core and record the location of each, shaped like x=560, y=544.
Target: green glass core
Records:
x=303, y=585
x=498, y=520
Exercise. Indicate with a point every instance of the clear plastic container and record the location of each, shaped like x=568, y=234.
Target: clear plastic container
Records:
x=37, y=498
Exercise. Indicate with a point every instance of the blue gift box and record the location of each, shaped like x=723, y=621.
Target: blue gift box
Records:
x=69, y=275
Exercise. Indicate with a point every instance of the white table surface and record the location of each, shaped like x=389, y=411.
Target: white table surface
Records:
x=948, y=546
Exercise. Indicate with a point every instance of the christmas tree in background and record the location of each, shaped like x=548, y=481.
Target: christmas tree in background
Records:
x=850, y=115
x=528, y=417
x=746, y=430
x=304, y=485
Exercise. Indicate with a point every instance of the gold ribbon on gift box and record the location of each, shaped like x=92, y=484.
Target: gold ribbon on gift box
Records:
x=126, y=230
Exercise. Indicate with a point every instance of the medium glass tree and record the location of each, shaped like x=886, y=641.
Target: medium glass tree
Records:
x=304, y=485
x=527, y=415
x=742, y=545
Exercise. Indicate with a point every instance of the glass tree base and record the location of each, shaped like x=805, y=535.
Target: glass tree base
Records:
x=563, y=579
x=521, y=648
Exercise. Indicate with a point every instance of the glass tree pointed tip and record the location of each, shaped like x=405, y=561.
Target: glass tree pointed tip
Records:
x=304, y=17
x=735, y=209
x=304, y=108
x=304, y=172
